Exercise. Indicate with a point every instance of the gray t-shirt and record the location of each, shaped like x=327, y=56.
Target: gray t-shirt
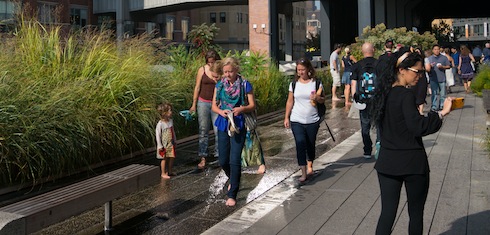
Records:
x=437, y=74
x=334, y=57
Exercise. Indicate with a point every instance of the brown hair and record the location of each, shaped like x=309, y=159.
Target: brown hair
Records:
x=464, y=50
x=211, y=54
x=163, y=110
x=309, y=67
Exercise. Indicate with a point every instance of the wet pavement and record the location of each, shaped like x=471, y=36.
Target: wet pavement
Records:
x=344, y=196
x=193, y=201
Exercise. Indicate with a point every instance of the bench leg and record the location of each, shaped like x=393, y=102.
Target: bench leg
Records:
x=108, y=216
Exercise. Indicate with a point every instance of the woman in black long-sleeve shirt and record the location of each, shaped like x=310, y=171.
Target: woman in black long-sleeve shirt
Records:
x=402, y=157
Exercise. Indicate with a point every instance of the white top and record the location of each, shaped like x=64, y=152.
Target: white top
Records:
x=334, y=57
x=303, y=112
x=161, y=126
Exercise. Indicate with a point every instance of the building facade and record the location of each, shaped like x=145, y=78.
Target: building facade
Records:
x=471, y=29
x=69, y=13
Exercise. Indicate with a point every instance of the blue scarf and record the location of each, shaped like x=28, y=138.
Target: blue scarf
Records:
x=229, y=94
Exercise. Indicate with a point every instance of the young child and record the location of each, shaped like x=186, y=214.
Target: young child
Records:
x=166, y=140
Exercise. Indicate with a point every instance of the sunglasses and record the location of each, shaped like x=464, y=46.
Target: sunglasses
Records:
x=419, y=72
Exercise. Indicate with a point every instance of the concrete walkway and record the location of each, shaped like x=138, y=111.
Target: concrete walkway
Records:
x=344, y=197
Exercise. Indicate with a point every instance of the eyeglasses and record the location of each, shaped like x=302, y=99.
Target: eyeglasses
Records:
x=419, y=72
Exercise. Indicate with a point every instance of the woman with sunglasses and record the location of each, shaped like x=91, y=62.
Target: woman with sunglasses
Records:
x=402, y=157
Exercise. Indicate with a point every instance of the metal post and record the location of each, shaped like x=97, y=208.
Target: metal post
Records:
x=108, y=216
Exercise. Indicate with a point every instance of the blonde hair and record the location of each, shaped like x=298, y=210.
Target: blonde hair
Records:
x=232, y=61
x=163, y=110
x=217, y=67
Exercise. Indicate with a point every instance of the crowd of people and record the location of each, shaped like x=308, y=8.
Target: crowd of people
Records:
x=390, y=92
x=394, y=106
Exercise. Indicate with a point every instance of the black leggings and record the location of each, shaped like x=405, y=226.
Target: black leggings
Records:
x=417, y=187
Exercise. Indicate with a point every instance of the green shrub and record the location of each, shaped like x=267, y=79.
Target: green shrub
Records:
x=482, y=79
x=76, y=100
x=71, y=102
x=379, y=34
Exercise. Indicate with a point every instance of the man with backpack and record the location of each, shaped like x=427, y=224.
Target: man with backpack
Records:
x=362, y=84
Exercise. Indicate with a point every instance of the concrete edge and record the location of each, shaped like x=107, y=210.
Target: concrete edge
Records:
x=11, y=224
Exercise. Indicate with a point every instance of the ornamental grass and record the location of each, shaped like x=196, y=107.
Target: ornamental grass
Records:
x=71, y=101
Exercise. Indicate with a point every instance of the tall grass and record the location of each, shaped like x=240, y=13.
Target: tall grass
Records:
x=270, y=86
x=72, y=101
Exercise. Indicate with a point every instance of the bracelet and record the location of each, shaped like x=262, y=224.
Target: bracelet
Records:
x=440, y=115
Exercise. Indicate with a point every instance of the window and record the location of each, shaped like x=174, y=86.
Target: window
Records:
x=106, y=22
x=78, y=17
x=246, y=18
x=280, y=23
x=239, y=17
x=47, y=13
x=6, y=9
x=222, y=17
x=169, y=28
x=185, y=27
x=212, y=17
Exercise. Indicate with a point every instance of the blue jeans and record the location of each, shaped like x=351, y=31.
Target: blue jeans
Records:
x=230, y=158
x=457, y=79
x=305, y=138
x=365, y=131
x=438, y=89
x=206, y=119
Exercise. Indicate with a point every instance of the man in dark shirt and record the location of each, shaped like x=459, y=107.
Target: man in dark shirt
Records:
x=455, y=55
x=486, y=53
x=357, y=73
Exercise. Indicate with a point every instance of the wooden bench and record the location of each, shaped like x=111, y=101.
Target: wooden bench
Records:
x=38, y=212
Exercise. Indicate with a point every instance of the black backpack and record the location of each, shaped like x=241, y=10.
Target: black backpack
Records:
x=366, y=81
x=321, y=108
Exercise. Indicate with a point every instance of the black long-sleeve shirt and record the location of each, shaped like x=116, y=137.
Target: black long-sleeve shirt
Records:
x=402, y=150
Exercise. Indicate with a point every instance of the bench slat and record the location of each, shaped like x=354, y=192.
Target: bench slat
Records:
x=54, y=206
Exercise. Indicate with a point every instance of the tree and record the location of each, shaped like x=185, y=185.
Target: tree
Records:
x=443, y=32
x=379, y=34
x=202, y=36
x=313, y=42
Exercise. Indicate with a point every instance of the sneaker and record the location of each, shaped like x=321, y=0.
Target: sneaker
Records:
x=367, y=156
x=376, y=153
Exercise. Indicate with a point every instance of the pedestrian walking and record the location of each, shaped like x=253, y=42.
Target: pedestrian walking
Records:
x=229, y=103
x=302, y=114
x=347, y=61
x=363, y=86
x=166, y=140
x=438, y=64
x=335, y=70
x=201, y=102
x=402, y=158
x=466, y=67
x=449, y=72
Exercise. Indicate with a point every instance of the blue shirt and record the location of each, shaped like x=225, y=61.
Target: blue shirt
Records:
x=456, y=58
x=436, y=74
